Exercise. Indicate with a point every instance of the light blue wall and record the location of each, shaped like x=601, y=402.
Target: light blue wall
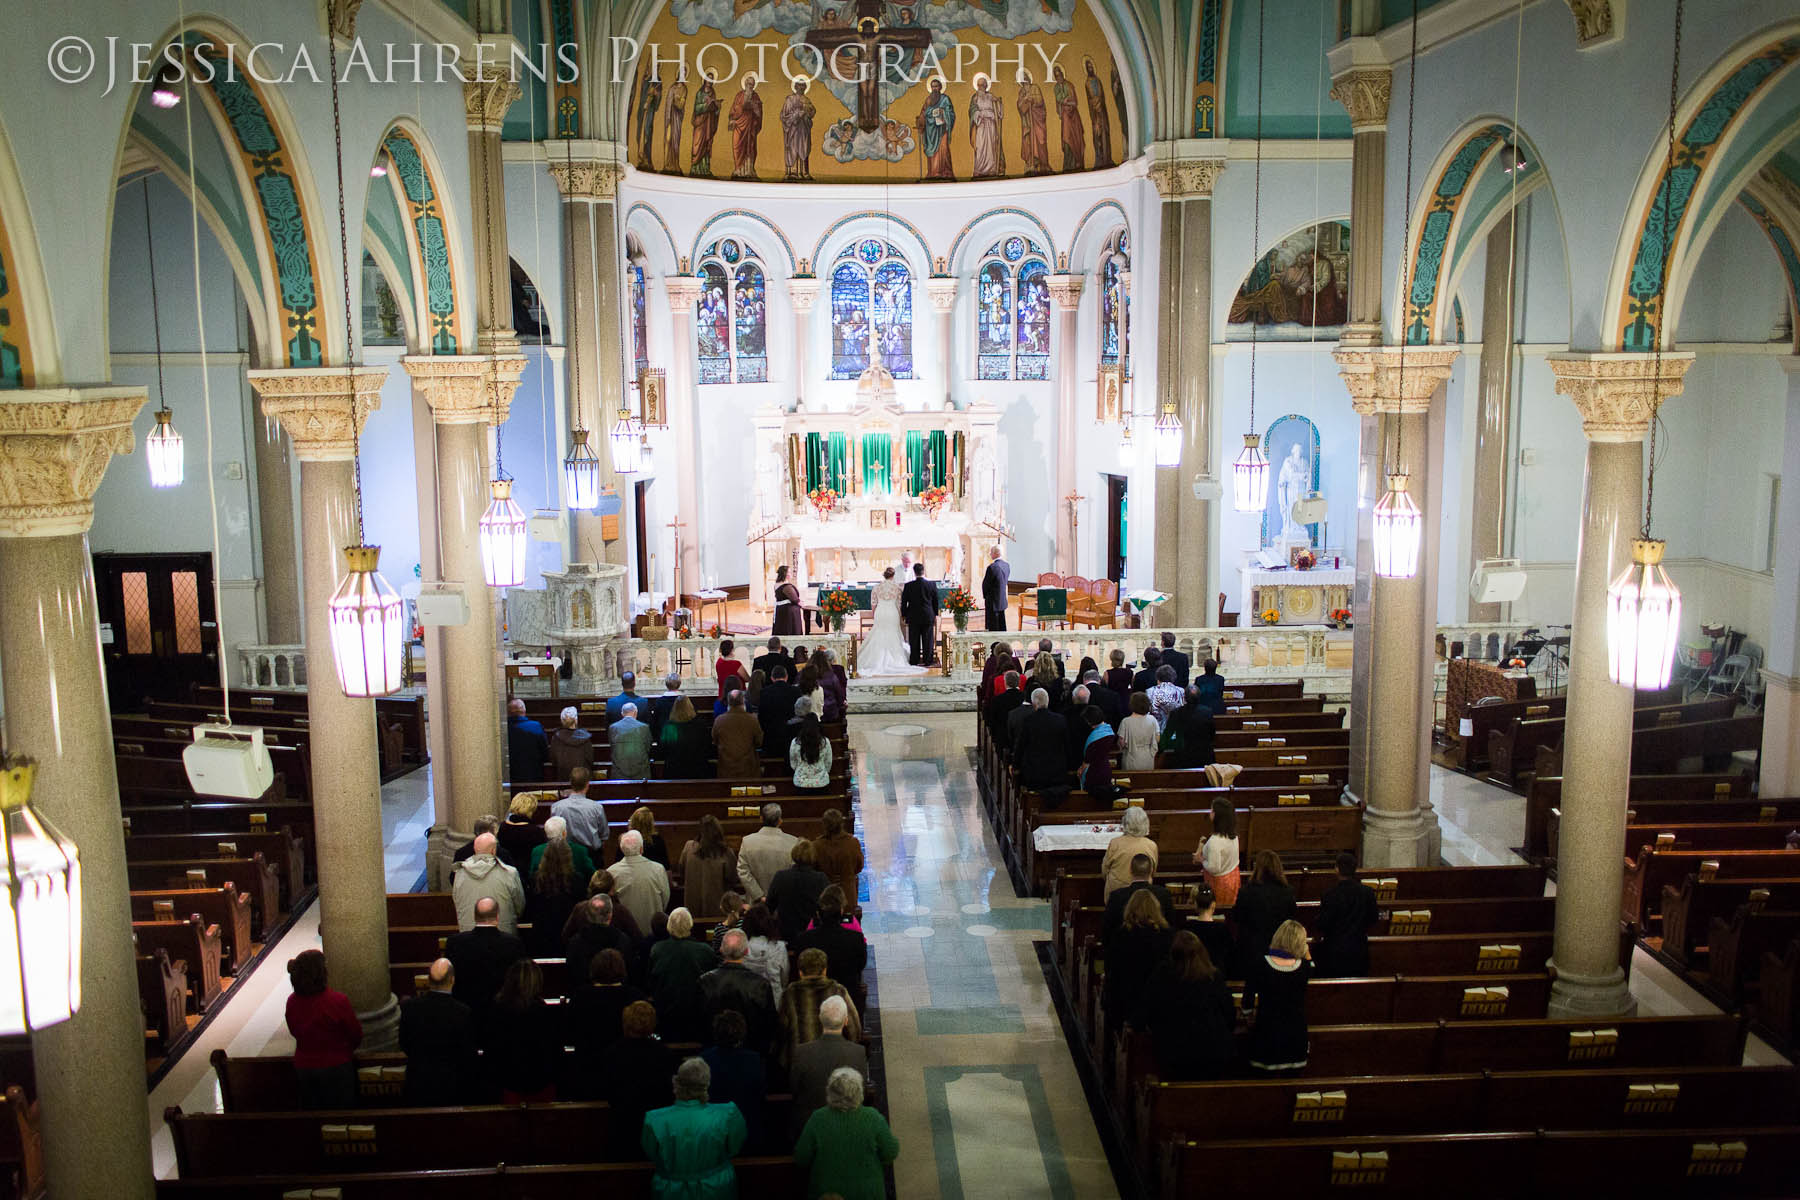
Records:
x=1296, y=34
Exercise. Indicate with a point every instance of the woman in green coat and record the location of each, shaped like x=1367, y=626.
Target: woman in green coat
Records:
x=844, y=1145
x=691, y=1142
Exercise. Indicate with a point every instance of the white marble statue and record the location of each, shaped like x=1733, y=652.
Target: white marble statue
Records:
x=1293, y=485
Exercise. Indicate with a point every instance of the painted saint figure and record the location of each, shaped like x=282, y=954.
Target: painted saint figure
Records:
x=746, y=127
x=1034, y=128
x=1074, y=141
x=985, y=114
x=678, y=96
x=1118, y=91
x=936, y=120
x=796, y=132
x=649, y=100
x=706, y=126
x=1096, y=99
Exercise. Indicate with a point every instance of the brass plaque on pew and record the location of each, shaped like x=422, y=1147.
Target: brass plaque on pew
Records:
x=1256, y=725
x=1408, y=920
x=129, y=747
x=197, y=878
x=1320, y=1108
x=1709, y=870
x=262, y=701
x=1766, y=813
x=1358, y=1168
x=227, y=849
x=1271, y=741
x=348, y=1141
x=1238, y=708
x=1385, y=888
x=745, y=790
x=1537, y=710
x=380, y=1081
x=1497, y=958
x=1129, y=802
x=1643, y=1099
x=1717, y=1158
x=1485, y=1001
x=258, y=820
x=1121, y=781
x=1591, y=1045
x=164, y=910
x=1283, y=799
x=1311, y=778
x=1665, y=841
x=593, y=706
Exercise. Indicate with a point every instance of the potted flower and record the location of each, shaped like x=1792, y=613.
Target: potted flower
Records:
x=960, y=603
x=1305, y=560
x=1271, y=615
x=836, y=605
x=934, y=499
x=1341, y=617
x=823, y=500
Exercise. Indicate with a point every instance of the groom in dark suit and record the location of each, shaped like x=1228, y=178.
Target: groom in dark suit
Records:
x=993, y=590
x=919, y=609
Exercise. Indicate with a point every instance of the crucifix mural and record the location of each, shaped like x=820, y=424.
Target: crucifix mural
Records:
x=868, y=40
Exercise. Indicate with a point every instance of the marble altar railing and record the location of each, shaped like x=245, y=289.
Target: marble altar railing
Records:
x=271, y=668
x=599, y=661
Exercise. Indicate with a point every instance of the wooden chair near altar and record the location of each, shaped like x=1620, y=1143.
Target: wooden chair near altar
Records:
x=1028, y=602
x=1099, y=606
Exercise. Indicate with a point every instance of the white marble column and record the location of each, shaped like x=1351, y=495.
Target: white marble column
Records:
x=803, y=293
x=316, y=407
x=1781, y=666
x=1493, y=412
x=684, y=414
x=1065, y=298
x=55, y=446
x=1617, y=395
x=941, y=291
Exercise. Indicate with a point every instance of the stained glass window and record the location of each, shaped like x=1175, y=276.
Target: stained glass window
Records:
x=871, y=311
x=731, y=316
x=640, y=337
x=1115, y=303
x=1012, y=311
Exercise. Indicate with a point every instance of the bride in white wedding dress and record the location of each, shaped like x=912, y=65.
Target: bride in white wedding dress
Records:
x=884, y=651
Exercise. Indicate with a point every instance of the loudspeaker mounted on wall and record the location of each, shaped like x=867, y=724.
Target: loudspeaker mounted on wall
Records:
x=1496, y=581
x=442, y=604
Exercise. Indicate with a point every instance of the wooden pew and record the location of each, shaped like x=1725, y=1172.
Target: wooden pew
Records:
x=223, y=906
x=278, y=846
x=757, y=1177
x=1735, y=947
x=1545, y=793
x=1512, y=748
x=1690, y=907
x=162, y=993
x=421, y=908
x=1778, y=1012
x=252, y=876
x=1696, y=835
x=1653, y=869
x=290, y=754
x=1485, y=718
x=763, y=789
x=1660, y=751
x=407, y=712
x=188, y=940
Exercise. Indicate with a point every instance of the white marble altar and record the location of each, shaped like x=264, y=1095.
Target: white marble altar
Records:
x=1304, y=597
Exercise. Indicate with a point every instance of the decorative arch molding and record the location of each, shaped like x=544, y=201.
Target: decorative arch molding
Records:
x=926, y=266
x=1092, y=216
x=1001, y=215
x=1782, y=228
x=742, y=217
x=1471, y=240
x=1209, y=69
x=1707, y=122
x=564, y=23
x=444, y=322
x=28, y=351
x=652, y=220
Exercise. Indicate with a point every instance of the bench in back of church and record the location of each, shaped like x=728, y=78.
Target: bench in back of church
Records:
x=223, y=906
x=278, y=846
x=1695, y=835
x=408, y=712
x=1512, y=748
x=1736, y=946
x=757, y=790
x=1647, y=874
x=1545, y=794
x=1690, y=907
x=1288, y=739
x=251, y=874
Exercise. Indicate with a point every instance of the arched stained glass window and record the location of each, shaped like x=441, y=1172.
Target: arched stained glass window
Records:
x=731, y=316
x=1012, y=313
x=640, y=337
x=1115, y=302
x=871, y=311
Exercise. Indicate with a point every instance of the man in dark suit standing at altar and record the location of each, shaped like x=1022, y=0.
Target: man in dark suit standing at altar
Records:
x=993, y=589
x=919, y=610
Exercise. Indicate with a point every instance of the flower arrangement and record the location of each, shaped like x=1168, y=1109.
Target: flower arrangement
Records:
x=1271, y=615
x=715, y=631
x=960, y=603
x=823, y=500
x=837, y=605
x=1341, y=617
x=1305, y=560
x=934, y=499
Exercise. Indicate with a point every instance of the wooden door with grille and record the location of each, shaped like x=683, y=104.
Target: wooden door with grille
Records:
x=159, y=632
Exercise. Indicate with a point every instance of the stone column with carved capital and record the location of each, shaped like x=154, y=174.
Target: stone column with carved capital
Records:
x=941, y=291
x=684, y=411
x=466, y=393
x=1065, y=296
x=1184, y=543
x=1617, y=396
x=323, y=410
x=55, y=446
x=1781, y=666
x=484, y=107
x=1390, y=766
x=803, y=294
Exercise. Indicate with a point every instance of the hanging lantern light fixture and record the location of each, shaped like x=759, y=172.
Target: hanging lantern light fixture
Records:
x=1167, y=433
x=626, y=441
x=1643, y=605
x=163, y=93
x=162, y=448
x=1250, y=473
x=504, y=533
x=40, y=932
x=1127, y=447
x=581, y=472
x=1250, y=476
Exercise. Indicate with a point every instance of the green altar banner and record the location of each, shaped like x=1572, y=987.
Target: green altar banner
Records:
x=1052, y=602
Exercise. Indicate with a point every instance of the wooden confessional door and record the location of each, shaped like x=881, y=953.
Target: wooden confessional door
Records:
x=1115, y=527
x=642, y=488
x=159, y=632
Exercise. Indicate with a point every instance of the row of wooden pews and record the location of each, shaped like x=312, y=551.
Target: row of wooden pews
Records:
x=1497, y=716
x=1512, y=748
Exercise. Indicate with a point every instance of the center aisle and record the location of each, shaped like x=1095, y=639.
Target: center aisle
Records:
x=981, y=1089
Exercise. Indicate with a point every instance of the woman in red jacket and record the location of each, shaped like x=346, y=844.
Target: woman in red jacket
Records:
x=326, y=1035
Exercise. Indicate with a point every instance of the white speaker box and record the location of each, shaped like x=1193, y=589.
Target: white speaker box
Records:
x=228, y=760
x=1497, y=581
x=442, y=604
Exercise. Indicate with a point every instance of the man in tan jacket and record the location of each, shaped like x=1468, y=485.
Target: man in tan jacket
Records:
x=737, y=736
x=763, y=853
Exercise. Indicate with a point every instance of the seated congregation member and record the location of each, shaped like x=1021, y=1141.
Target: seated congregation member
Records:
x=526, y=748
x=640, y=886
x=1133, y=951
x=656, y=716
x=1115, y=866
x=771, y=655
x=708, y=868
x=1217, y=856
x=833, y=931
x=1097, y=755
x=1211, y=686
x=481, y=955
x=763, y=853
x=1166, y=696
x=1346, y=915
x=809, y=754
x=437, y=1035
x=833, y=685
x=556, y=829
x=520, y=833
x=1143, y=875
x=643, y=819
x=523, y=1038
x=737, y=736
x=794, y=892
x=570, y=746
x=1118, y=675
x=556, y=889
x=676, y=965
x=775, y=708
x=1171, y=657
x=732, y=907
x=815, y=1060
x=1262, y=905
x=1038, y=752
x=685, y=745
x=483, y=875
x=846, y=1146
x=326, y=1034
x=840, y=854
x=691, y=1142
x=728, y=669
x=738, y=1074
x=630, y=740
x=584, y=815
x=1188, y=1010
x=1275, y=987
x=1189, y=736
x=486, y=823
x=1138, y=736
x=766, y=952
x=594, y=930
x=1145, y=679
x=628, y=694
x=597, y=1020
x=636, y=1079
x=733, y=985
x=800, y=1004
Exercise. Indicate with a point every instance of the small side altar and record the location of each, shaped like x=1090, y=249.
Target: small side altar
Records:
x=1302, y=597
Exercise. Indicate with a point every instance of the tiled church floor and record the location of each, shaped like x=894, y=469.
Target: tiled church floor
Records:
x=981, y=1088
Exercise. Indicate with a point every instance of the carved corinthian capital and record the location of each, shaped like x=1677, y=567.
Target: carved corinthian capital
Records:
x=683, y=292
x=466, y=389
x=942, y=294
x=485, y=102
x=1184, y=178
x=55, y=444
x=340, y=15
x=1364, y=92
x=1065, y=291
x=322, y=408
x=1379, y=383
x=1597, y=22
x=804, y=293
x=586, y=179
x=1617, y=395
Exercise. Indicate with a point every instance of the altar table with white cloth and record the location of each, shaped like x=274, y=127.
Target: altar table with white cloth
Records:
x=1303, y=597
